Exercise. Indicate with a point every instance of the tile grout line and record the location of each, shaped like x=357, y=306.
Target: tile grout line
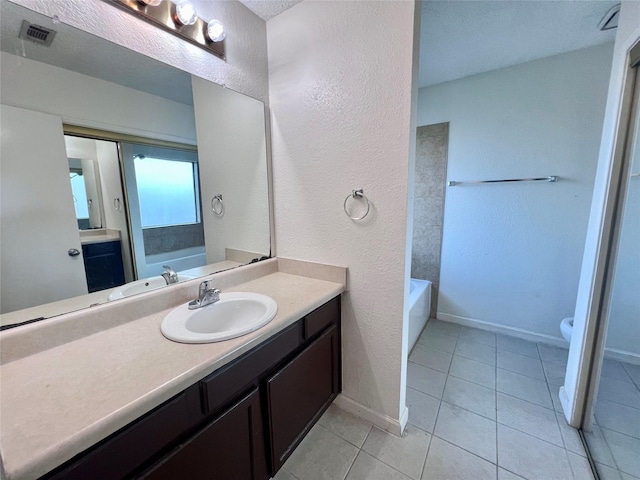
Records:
x=465, y=450
x=382, y=461
x=359, y=450
x=435, y=423
x=287, y=472
x=615, y=462
x=619, y=433
x=424, y=463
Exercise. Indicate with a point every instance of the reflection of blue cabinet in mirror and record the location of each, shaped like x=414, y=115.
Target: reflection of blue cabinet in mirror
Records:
x=103, y=265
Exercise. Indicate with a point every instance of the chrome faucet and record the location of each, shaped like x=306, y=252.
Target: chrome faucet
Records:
x=169, y=275
x=206, y=296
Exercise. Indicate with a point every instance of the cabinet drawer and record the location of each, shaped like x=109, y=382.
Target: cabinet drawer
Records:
x=127, y=449
x=229, y=448
x=101, y=248
x=220, y=387
x=322, y=317
x=299, y=393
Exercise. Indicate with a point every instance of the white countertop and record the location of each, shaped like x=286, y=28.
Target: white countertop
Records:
x=99, y=235
x=57, y=402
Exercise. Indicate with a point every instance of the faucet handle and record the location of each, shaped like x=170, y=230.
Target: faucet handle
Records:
x=206, y=288
x=206, y=296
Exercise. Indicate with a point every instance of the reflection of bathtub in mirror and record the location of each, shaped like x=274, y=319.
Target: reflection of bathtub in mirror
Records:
x=84, y=301
x=143, y=286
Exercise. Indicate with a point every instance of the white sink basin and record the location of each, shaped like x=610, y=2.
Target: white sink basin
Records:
x=144, y=285
x=234, y=315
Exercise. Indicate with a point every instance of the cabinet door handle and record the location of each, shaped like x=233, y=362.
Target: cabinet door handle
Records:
x=73, y=252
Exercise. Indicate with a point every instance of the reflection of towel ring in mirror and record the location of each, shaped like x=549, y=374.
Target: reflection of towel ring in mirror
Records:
x=117, y=204
x=357, y=194
x=217, y=205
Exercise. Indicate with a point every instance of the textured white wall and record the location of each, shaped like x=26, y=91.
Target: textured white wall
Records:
x=585, y=315
x=231, y=138
x=90, y=102
x=511, y=253
x=245, y=69
x=340, y=76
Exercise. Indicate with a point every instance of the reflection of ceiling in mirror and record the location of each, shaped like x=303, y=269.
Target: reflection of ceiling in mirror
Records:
x=460, y=39
x=82, y=52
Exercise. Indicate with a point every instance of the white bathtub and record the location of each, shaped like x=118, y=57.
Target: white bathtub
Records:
x=419, y=308
x=178, y=260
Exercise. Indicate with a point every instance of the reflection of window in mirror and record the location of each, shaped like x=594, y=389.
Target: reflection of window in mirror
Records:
x=163, y=189
x=167, y=191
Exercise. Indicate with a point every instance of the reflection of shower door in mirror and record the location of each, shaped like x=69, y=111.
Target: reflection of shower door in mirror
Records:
x=84, y=174
x=611, y=425
x=163, y=192
x=38, y=218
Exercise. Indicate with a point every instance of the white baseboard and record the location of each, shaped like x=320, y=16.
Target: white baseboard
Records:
x=388, y=424
x=497, y=328
x=620, y=355
x=564, y=402
x=404, y=419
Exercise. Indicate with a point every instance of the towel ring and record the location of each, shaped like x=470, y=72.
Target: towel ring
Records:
x=357, y=194
x=117, y=204
x=217, y=205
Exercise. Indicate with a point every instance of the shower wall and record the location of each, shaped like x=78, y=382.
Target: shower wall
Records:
x=428, y=209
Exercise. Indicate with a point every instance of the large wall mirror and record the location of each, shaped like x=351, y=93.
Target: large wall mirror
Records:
x=119, y=174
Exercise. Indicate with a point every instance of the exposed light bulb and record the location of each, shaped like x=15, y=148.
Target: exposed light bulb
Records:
x=186, y=13
x=215, y=31
x=151, y=3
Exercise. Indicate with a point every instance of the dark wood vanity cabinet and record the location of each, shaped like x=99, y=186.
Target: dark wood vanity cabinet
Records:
x=103, y=265
x=299, y=393
x=231, y=446
x=239, y=423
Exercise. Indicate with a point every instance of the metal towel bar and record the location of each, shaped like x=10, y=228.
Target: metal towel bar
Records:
x=552, y=178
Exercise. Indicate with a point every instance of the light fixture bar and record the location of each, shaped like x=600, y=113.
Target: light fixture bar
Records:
x=164, y=16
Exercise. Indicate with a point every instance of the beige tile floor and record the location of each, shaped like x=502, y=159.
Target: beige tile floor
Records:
x=614, y=440
x=481, y=406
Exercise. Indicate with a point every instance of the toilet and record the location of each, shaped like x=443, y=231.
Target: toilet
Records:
x=566, y=328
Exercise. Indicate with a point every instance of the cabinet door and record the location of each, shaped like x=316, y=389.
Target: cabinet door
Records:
x=103, y=265
x=137, y=443
x=229, y=448
x=300, y=392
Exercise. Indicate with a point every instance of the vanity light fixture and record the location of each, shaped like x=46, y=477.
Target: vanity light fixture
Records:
x=216, y=31
x=181, y=19
x=186, y=13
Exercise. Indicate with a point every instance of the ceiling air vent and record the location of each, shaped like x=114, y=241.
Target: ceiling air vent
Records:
x=36, y=33
x=610, y=19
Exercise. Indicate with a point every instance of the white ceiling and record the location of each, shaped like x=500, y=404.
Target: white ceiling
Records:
x=458, y=39
x=267, y=9
x=463, y=38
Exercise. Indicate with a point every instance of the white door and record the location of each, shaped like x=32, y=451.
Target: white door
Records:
x=37, y=217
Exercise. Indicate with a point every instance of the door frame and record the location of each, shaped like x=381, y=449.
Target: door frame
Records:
x=586, y=351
